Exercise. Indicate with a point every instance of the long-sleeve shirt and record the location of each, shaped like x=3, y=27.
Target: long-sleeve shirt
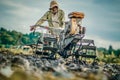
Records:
x=49, y=17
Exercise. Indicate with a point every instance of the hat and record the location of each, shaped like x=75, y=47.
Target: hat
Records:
x=53, y=4
x=76, y=15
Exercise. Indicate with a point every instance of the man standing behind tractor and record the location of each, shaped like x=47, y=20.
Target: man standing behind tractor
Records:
x=55, y=17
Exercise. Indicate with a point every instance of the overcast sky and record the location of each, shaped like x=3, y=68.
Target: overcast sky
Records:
x=102, y=17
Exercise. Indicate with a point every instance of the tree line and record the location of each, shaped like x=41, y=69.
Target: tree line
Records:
x=109, y=51
x=13, y=37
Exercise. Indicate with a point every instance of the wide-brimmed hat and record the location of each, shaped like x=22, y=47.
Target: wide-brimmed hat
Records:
x=53, y=4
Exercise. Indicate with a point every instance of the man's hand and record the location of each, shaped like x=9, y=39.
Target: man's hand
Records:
x=32, y=28
x=61, y=28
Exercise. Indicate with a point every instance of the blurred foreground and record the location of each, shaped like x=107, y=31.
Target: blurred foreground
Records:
x=33, y=67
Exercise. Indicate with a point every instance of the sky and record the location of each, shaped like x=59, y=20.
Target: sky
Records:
x=102, y=17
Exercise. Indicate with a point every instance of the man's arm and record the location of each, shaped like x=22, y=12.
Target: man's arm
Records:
x=42, y=19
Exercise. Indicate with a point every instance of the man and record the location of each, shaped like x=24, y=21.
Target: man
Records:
x=54, y=17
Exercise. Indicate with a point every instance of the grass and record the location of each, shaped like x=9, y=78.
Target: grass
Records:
x=14, y=51
x=108, y=58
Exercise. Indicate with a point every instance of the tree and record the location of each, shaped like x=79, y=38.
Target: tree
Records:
x=110, y=50
x=117, y=53
x=3, y=29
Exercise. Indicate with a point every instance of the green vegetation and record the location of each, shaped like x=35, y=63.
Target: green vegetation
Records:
x=13, y=38
x=108, y=56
